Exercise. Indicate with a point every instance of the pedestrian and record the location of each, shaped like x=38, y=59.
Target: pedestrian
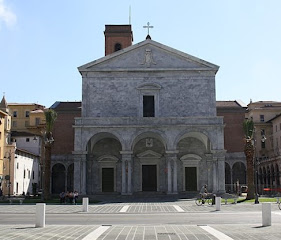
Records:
x=75, y=197
x=62, y=197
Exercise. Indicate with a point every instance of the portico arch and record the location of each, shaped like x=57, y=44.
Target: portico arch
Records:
x=149, y=162
x=103, y=163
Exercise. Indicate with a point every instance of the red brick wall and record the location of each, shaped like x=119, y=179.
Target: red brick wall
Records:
x=117, y=34
x=233, y=131
x=63, y=132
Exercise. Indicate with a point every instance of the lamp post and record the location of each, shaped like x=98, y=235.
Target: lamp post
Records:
x=263, y=138
x=8, y=177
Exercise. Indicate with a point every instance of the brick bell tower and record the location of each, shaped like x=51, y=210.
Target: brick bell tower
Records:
x=117, y=37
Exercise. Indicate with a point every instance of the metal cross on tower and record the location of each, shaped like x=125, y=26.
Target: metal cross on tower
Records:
x=148, y=26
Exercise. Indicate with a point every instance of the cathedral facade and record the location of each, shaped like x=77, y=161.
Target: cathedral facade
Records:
x=148, y=121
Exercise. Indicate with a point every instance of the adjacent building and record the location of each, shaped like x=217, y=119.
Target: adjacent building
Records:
x=266, y=117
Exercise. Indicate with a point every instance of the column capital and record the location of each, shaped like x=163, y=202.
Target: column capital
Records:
x=79, y=152
x=126, y=155
x=126, y=152
x=172, y=155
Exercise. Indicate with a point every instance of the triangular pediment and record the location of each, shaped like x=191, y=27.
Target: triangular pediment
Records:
x=146, y=56
x=149, y=154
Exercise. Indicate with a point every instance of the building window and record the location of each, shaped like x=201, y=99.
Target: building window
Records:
x=32, y=174
x=148, y=106
x=17, y=189
x=15, y=114
x=28, y=174
x=27, y=139
x=26, y=113
x=261, y=118
x=14, y=124
x=24, y=173
x=262, y=144
x=117, y=47
x=37, y=121
x=262, y=132
x=276, y=128
x=17, y=165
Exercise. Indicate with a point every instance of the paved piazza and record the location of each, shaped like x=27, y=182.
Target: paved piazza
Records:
x=221, y=227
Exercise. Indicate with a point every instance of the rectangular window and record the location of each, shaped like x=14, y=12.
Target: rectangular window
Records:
x=17, y=189
x=24, y=173
x=26, y=113
x=17, y=165
x=15, y=114
x=14, y=124
x=148, y=106
x=32, y=174
x=28, y=174
x=262, y=132
x=27, y=139
x=37, y=121
x=262, y=144
x=276, y=128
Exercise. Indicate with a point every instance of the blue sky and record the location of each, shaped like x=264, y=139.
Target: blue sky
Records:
x=43, y=42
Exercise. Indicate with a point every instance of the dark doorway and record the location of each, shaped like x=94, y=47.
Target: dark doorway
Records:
x=149, y=178
x=58, y=178
x=108, y=179
x=190, y=179
x=70, y=178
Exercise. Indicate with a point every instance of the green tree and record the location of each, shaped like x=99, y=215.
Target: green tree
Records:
x=249, y=150
x=51, y=117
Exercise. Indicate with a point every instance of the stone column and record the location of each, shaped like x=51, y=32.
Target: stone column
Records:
x=80, y=172
x=175, y=179
x=215, y=178
x=126, y=177
x=221, y=174
x=171, y=157
x=210, y=172
x=169, y=176
x=129, y=189
x=83, y=175
x=123, y=176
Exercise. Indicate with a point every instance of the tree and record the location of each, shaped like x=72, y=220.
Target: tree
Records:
x=249, y=150
x=50, y=116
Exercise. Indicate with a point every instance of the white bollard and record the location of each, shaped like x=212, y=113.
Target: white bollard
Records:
x=40, y=215
x=85, y=204
x=266, y=214
x=218, y=203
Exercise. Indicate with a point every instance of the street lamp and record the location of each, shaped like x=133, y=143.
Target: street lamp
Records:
x=8, y=177
x=263, y=138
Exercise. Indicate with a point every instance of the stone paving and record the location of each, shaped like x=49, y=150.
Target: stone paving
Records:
x=165, y=207
x=140, y=232
x=162, y=232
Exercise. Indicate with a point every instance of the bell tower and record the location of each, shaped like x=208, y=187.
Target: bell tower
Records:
x=117, y=37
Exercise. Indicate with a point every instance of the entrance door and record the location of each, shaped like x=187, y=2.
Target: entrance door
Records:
x=149, y=178
x=190, y=179
x=108, y=179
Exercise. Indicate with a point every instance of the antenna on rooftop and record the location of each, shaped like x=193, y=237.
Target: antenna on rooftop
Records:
x=130, y=15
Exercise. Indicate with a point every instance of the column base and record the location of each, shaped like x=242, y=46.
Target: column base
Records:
x=126, y=194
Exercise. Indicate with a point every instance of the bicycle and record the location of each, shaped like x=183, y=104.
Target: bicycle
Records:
x=200, y=201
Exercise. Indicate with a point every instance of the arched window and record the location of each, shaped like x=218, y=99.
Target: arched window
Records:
x=117, y=47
